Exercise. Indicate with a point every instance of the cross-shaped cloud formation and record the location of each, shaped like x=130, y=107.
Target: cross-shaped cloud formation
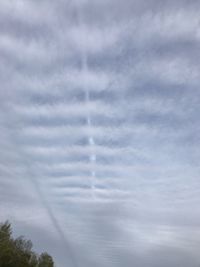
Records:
x=99, y=129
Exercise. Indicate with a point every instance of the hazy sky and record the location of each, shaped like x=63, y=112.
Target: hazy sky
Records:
x=99, y=130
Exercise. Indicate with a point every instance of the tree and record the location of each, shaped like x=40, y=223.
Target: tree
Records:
x=45, y=260
x=18, y=252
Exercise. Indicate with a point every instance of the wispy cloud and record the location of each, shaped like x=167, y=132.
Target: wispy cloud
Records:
x=99, y=124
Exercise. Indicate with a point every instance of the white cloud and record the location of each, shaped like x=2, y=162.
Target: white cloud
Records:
x=99, y=126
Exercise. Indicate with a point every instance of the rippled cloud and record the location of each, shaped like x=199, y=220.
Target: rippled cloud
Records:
x=99, y=124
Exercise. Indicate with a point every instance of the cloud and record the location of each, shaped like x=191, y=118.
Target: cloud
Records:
x=99, y=126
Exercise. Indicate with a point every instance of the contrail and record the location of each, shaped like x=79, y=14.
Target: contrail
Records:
x=46, y=205
x=91, y=141
x=54, y=220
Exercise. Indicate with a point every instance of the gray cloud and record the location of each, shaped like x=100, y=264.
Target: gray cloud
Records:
x=99, y=124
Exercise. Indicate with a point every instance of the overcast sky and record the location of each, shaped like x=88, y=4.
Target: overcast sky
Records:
x=99, y=130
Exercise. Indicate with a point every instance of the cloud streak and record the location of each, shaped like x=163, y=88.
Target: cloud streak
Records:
x=99, y=105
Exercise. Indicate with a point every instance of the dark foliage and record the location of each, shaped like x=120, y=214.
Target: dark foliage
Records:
x=18, y=252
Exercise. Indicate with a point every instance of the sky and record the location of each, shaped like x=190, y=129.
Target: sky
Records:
x=99, y=130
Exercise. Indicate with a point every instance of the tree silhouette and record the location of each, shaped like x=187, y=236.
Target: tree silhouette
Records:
x=18, y=252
